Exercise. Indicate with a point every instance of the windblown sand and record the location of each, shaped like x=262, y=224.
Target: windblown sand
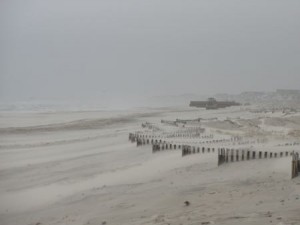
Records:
x=79, y=168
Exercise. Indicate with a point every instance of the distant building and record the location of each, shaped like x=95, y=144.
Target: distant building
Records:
x=212, y=103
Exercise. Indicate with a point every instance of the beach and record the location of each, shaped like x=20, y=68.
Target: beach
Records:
x=79, y=168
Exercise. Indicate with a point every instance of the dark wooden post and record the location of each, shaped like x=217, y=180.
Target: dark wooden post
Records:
x=295, y=165
x=227, y=153
x=248, y=155
x=259, y=154
x=220, y=157
x=237, y=154
x=253, y=155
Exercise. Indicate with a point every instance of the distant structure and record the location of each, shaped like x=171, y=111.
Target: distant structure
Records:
x=212, y=103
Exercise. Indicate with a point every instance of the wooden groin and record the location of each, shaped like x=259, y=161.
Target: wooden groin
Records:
x=188, y=150
x=156, y=147
x=235, y=155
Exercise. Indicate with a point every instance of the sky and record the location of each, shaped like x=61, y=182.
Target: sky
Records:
x=90, y=48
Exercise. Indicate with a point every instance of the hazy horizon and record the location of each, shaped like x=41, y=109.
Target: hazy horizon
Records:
x=120, y=49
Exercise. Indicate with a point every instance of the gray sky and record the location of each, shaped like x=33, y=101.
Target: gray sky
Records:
x=52, y=48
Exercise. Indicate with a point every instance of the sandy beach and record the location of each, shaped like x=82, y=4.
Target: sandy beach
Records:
x=80, y=168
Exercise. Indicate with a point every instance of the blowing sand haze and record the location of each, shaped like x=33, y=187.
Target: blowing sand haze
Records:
x=82, y=169
x=149, y=112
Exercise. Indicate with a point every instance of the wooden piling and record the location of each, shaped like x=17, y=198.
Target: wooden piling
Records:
x=227, y=155
x=295, y=165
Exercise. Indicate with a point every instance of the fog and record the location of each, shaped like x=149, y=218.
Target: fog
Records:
x=55, y=49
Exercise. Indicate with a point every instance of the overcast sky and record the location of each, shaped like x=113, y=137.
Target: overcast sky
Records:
x=53, y=48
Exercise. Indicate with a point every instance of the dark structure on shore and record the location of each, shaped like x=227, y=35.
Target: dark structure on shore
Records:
x=212, y=103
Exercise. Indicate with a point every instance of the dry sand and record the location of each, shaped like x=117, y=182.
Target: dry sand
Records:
x=79, y=168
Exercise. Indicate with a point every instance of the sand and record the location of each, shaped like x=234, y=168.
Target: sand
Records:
x=79, y=168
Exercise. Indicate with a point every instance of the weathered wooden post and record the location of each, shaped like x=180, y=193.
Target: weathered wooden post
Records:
x=219, y=157
x=190, y=149
x=155, y=148
x=248, y=155
x=138, y=142
x=232, y=155
x=253, y=155
x=183, y=151
x=271, y=154
x=259, y=154
x=237, y=154
x=266, y=155
x=203, y=149
x=295, y=165
x=227, y=153
x=243, y=155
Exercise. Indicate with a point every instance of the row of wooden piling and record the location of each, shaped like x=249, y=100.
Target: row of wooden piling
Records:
x=164, y=146
x=188, y=150
x=234, y=155
x=143, y=139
